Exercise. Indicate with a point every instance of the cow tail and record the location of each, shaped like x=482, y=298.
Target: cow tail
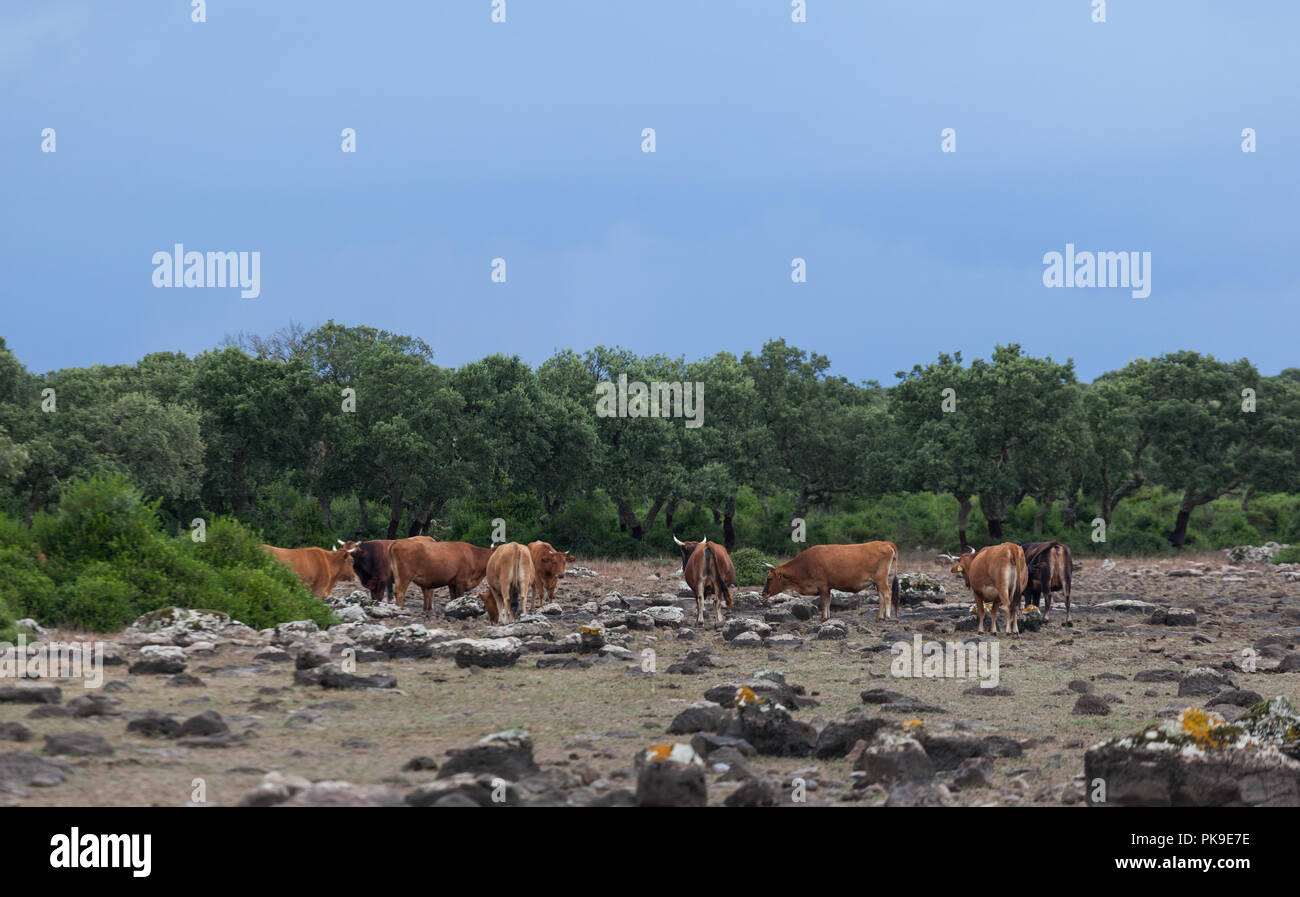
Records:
x=894, y=597
x=707, y=572
x=515, y=580
x=1022, y=576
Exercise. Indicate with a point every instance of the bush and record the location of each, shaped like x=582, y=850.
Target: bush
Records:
x=749, y=566
x=1289, y=555
x=97, y=601
x=107, y=562
x=8, y=631
x=96, y=520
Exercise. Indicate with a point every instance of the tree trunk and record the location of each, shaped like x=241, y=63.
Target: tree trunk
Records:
x=325, y=504
x=728, y=524
x=1043, y=510
x=1179, y=536
x=395, y=514
x=994, y=506
x=363, y=522
x=669, y=512
x=1245, y=500
x=1067, y=510
x=801, y=504
x=629, y=522
x=963, y=514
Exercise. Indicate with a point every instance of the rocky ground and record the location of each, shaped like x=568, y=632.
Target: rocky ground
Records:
x=615, y=696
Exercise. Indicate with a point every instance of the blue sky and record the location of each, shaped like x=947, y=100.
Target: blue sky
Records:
x=775, y=140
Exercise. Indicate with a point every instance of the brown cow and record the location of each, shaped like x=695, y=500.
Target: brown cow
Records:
x=708, y=570
x=509, y=580
x=319, y=570
x=548, y=569
x=430, y=565
x=1051, y=569
x=998, y=574
x=850, y=568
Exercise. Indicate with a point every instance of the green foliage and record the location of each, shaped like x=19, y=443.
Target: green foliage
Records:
x=749, y=566
x=1181, y=449
x=107, y=561
x=1289, y=555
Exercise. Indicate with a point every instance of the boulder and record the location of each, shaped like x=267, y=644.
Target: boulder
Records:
x=894, y=758
x=165, y=660
x=498, y=652
x=671, y=775
x=1199, y=759
x=507, y=755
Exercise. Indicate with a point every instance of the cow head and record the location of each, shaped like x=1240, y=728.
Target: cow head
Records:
x=350, y=551
x=686, y=548
x=962, y=566
x=561, y=558
x=777, y=581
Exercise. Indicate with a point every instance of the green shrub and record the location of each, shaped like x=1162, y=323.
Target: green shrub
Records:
x=108, y=562
x=8, y=631
x=97, y=601
x=1289, y=555
x=749, y=566
x=96, y=520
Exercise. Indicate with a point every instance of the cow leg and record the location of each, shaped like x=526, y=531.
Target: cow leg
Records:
x=1047, y=605
x=492, y=602
x=718, y=598
x=428, y=600
x=826, y=603
x=400, y=592
x=1067, y=604
x=388, y=587
x=979, y=613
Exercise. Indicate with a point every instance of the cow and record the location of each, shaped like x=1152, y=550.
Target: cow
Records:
x=851, y=568
x=509, y=580
x=708, y=570
x=319, y=570
x=430, y=565
x=371, y=564
x=997, y=574
x=1051, y=569
x=548, y=569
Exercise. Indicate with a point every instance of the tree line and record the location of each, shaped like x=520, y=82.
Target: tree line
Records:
x=359, y=432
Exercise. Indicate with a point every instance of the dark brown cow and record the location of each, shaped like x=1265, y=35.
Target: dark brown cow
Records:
x=708, y=570
x=849, y=568
x=1051, y=569
x=430, y=565
x=548, y=569
x=509, y=580
x=319, y=570
x=997, y=574
x=370, y=561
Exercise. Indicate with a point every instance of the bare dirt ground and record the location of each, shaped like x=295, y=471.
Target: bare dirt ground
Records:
x=587, y=724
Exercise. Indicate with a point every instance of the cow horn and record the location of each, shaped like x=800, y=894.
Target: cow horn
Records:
x=678, y=541
x=769, y=566
x=704, y=541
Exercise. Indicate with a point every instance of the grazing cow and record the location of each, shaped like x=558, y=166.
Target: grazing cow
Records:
x=430, y=565
x=319, y=570
x=708, y=570
x=850, y=568
x=997, y=574
x=548, y=569
x=1051, y=569
x=509, y=580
